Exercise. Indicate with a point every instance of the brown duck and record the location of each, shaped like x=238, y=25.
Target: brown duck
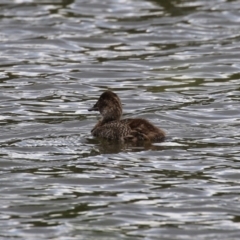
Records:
x=113, y=128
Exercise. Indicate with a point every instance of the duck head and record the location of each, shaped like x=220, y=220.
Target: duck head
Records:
x=109, y=105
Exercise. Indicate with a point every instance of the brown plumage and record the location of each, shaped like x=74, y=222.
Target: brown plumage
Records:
x=130, y=129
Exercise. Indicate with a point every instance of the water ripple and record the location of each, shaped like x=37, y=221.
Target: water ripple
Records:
x=175, y=63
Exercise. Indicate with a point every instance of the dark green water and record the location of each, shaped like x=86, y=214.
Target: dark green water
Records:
x=176, y=63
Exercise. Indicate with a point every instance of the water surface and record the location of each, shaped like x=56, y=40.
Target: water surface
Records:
x=176, y=63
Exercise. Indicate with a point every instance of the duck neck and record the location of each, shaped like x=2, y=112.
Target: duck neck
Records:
x=110, y=115
x=109, y=119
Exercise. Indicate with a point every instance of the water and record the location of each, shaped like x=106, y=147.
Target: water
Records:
x=176, y=63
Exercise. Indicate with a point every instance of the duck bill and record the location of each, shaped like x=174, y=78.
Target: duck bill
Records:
x=94, y=108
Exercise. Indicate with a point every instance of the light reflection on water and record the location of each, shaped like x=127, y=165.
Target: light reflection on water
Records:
x=175, y=63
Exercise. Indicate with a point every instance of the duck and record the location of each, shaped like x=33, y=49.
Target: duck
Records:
x=112, y=127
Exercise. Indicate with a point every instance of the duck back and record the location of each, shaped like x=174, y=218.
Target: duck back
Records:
x=143, y=130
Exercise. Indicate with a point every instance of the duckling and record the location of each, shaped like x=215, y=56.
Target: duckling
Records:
x=113, y=128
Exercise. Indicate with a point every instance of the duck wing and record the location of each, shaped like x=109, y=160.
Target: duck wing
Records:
x=142, y=130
